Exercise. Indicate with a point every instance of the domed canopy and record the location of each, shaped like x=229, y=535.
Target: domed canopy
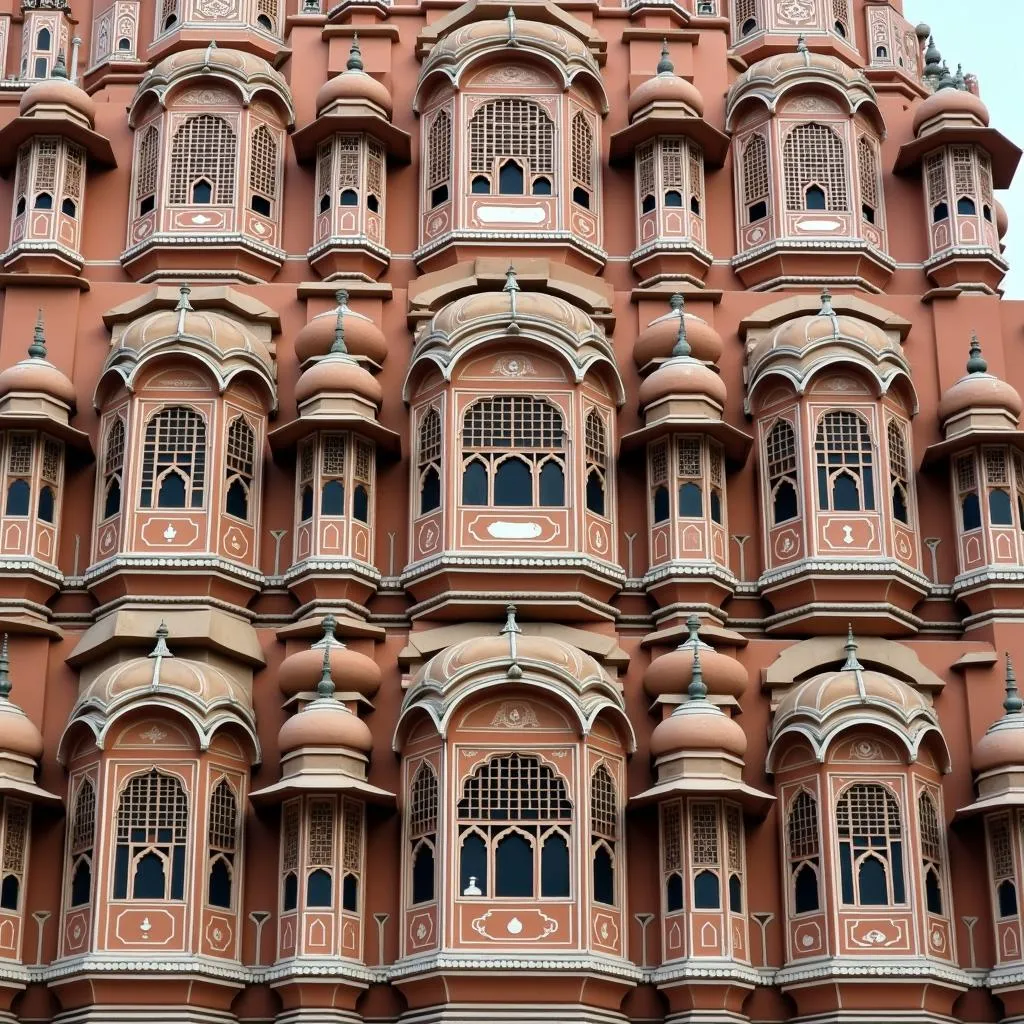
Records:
x=353, y=87
x=950, y=104
x=980, y=397
x=684, y=378
x=363, y=338
x=21, y=743
x=37, y=375
x=666, y=88
x=337, y=375
x=798, y=349
x=513, y=657
x=1002, y=746
x=57, y=94
x=223, y=344
x=659, y=337
x=249, y=74
x=354, y=672
x=820, y=708
x=208, y=697
x=672, y=673
x=766, y=81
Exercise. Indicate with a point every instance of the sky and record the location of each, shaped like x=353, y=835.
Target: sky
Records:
x=984, y=36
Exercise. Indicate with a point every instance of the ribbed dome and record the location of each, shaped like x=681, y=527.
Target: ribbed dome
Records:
x=698, y=726
x=336, y=373
x=978, y=389
x=325, y=722
x=37, y=375
x=682, y=376
x=951, y=102
x=666, y=88
x=362, y=336
x=353, y=672
x=672, y=673
x=354, y=84
x=659, y=337
x=1003, y=745
x=58, y=90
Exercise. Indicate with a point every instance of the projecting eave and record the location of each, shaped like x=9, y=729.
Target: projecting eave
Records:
x=714, y=143
x=938, y=453
x=1005, y=155
x=283, y=439
x=322, y=782
x=1004, y=801
x=754, y=801
x=13, y=134
x=737, y=443
x=362, y=118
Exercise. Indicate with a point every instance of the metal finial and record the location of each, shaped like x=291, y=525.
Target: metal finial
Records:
x=675, y=303
x=697, y=690
x=329, y=624
x=60, y=68
x=1012, y=704
x=511, y=283
x=975, y=362
x=355, y=55
x=325, y=688
x=37, y=350
x=693, y=628
x=339, y=347
x=826, y=303
x=665, y=65
x=958, y=79
x=510, y=18
x=681, y=349
x=511, y=626
x=946, y=81
x=852, y=664
x=511, y=630
x=5, y=675
x=932, y=58
x=801, y=43
x=183, y=306
x=161, y=650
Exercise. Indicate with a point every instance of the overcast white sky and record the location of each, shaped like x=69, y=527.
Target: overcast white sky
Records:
x=985, y=36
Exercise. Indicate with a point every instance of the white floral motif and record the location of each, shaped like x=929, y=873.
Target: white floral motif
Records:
x=515, y=716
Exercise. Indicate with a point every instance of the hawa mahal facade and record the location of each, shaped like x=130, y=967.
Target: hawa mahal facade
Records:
x=508, y=513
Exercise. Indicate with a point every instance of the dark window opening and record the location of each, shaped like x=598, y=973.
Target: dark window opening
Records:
x=202, y=192
x=940, y=211
x=595, y=492
x=673, y=198
x=970, y=511
x=552, y=485
x=236, y=502
x=757, y=211
x=966, y=206
x=900, y=512
x=373, y=203
x=474, y=484
x=423, y=874
x=290, y=895
x=124, y=43
x=554, y=867
x=265, y=23
x=716, y=508
x=845, y=493
x=513, y=483
x=17, y=498
x=840, y=29
x=542, y=186
x=45, y=505
x=750, y=25
x=695, y=205
x=260, y=205
x=43, y=201
x=332, y=499
x=350, y=893
x=1006, y=894
x=706, y=892
x=112, y=501
x=986, y=212
x=150, y=881
x=361, y=504
x=881, y=52
x=473, y=864
x=42, y=70
x=814, y=198
x=306, y=504
x=480, y=185
x=510, y=179
x=691, y=501
x=581, y=197
x=219, y=888
x=674, y=893
x=735, y=894
x=805, y=890
x=10, y=890
x=43, y=39
x=170, y=21
x=430, y=491
x=868, y=213
x=661, y=509
x=171, y=492
x=20, y=208
x=319, y=888
x=68, y=208
x=513, y=866
x=871, y=882
x=438, y=196
x=349, y=197
x=81, y=883
x=604, y=877
x=1000, y=508
x=325, y=202
x=933, y=891
x=147, y=205
x=647, y=204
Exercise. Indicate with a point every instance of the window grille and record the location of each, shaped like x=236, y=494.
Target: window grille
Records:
x=364, y=457
x=430, y=437
x=263, y=159
x=74, y=161
x=168, y=10
x=985, y=173
x=174, y=460
x=931, y=833
x=513, y=421
x=867, y=167
x=734, y=838
x=696, y=174
x=52, y=451
x=333, y=457
x=204, y=148
x=813, y=155
x=83, y=824
x=306, y=461
x=223, y=833
x=689, y=458
x=324, y=159
x=645, y=171
x=595, y=440
x=22, y=176
x=374, y=168
x=659, y=463
x=841, y=12
x=781, y=452
x=241, y=441
x=963, y=171
x=423, y=802
x=935, y=176
x=1000, y=847
x=290, y=837
x=515, y=787
x=582, y=151
x=672, y=151
x=746, y=10
x=996, y=471
x=267, y=9
x=352, y=846
x=151, y=838
x=671, y=835
x=348, y=162
x=755, y=169
x=965, y=476
x=845, y=460
x=19, y=456
x=15, y=836
x=704, y=838
x=870, y=846
x=46, y=165
x=320, y=845
x=604, y=807
x=439, y=150
x=897, y=451
x=716, y=464
x=148, y=161
x=511, y=128
x=802, y=829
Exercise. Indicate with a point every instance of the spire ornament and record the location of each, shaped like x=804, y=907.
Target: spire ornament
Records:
x=697, y=690
x=975, y=361
x=511, y=630
x=665, y=65
x=511, y=288
x=159, y=652
x=355, y=55
x=325, y=687
x=183, y=307
x=851, y=664
x=1012, y=704
x=37, y=350
x=60, y=68
x=801, y=43
x=5, y=674
x=681, y=349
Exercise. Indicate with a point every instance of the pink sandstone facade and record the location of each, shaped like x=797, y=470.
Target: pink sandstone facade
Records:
x=508, y=513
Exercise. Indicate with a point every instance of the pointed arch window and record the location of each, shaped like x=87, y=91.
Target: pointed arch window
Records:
x=222, y=846
x=672, y=856
x=307, y=463
x=936, y=186
x=429, y=462
x=20, y=456
x=362, y=474
x=515, y=830
x=780, y=456
x=147, y=164
x=870, y=185
x=263, y=171
x=113, y=468
x=582, y=160
x=1001, y=862
x=15, y=854
x=997, y=486
x=204, y=153
x=657, y=463
x=965, y=185
x=846, y=463
x=596, y=442
x=174, y=460
x=967, y=493
x=691, y=478
x=151, y=839
x=439, y=158
x=899, y=471
x=290, y=814
x=422, y=833
x=513, y=453
x=320, y=847
x=82, y=843
x=931, y=851
x=804, y=853
x=238, y=468
x=705, y=855
x=754, y=175
x=870, y=837
x=841, y=17
x=332, y=469
x=604, y=822
x=512, y=148
x=814, y=169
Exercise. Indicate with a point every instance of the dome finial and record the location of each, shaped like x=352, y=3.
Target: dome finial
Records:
x=511, y=283
x=675, y=303
x=851, y=664
x=37, y=350
x=325, y=687
x=511, y=630
x=932, y=59
x=697, y=690
x=355, y=55
x=5, y=675
x=975, y=362
x=329, y=625
x=681, y=349
x=801, y=43
x=1012, y=704
x=693, y=628
x=826, y=303
x=60, y=68
x=161, y=650
x=946, y=81
x=339, y=347
x=665, y=65
x=958, y=79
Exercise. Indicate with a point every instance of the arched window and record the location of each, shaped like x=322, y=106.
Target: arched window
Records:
x=320, y=846
x=745, y=16
x=152, y=839
x=222, y=846
x=263, y=171
x=870, y=847
x=804, y=853
x=841, y=17
x=204, y=154
x=515, y=130
x=813, y=163
x=997, y=482
x=755, y=178
x=845, y=460
x=899, y=471
x=513, y=452
x=780, y=456
x=931, y=851
x=43, y=39
x=113, y=468
x=50, y=472
x=290, y=814
x=439, y=158
x=604, y=821
x=645, y=177
x=361, y=481
x=146, y=164
x=422, y=832
x=15, y=853
x=81, y=843
x=266, y=15
x=332, y=471
x=967, y=493
x=596, y=442
x=174, y=460
x=582, y=160
x=691, y=476
x=307, y=457
x=734, y=844
x=716, y=465
x=870, y=186
x=672, y=856
x=238, y=468
x=657, y=481
x=936, y=186
x=706, y=856
x=351, y=854
x=515, y=811
x=1001, y=860
x=965, y=186
x=429, y=461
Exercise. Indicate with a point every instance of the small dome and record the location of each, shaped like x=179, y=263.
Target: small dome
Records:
x=1002, y=746
x=58, y=90
x=951, y=102
x=354, y=84
x=337, y=373
x=682, y=376
x=672, y=672
x=978, y=389
x=804, y=332
x=698, y=726
x=1002, y=220
x=325, y=722
x=354, y=672
x=667, y=88
x=659, y=337
x=36, y=374
x=363, y=337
